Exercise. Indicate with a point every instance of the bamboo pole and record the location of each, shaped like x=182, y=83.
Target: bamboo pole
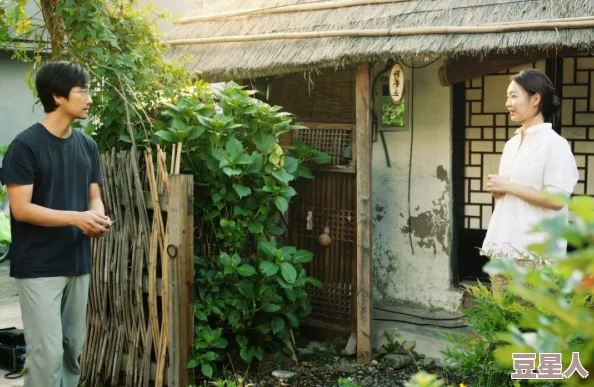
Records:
x=286, y=9
x=567, y=19
x=536, y=25
x=178, y=158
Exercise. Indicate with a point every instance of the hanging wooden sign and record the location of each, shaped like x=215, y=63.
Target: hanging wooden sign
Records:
x=396, y=84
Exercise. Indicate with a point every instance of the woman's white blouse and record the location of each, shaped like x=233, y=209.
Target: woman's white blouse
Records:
x=544, y=162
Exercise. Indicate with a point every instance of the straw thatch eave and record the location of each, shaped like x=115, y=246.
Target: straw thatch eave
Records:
x=223, y=61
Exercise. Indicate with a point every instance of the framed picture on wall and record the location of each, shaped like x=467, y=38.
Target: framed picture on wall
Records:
x=391, y=117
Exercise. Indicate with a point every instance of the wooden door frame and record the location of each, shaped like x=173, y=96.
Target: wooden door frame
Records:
x=458, y=138
x=554, y=70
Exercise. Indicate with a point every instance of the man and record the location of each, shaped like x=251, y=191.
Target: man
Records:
x=53, y=174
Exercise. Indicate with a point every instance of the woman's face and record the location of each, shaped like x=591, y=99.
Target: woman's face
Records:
x=520, y=105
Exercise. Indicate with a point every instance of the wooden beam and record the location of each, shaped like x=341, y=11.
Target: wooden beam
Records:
x=363, y=151
x=462, y=69
x=180, y=252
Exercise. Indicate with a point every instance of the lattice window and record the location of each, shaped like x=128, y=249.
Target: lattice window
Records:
x=488, y=127
x=331, y=200
x=332, y=139
x=333, y=300
x=577, y=118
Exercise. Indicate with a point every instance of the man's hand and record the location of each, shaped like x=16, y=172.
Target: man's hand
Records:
x=95, y=235
x=93, y=223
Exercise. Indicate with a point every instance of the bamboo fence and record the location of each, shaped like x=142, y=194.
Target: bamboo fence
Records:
x=140, y=314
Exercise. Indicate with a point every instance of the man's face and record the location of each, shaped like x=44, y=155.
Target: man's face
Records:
x=78, y=103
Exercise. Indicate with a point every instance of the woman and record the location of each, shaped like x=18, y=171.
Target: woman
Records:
x=536, y=162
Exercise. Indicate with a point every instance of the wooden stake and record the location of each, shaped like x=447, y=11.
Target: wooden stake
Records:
x=178, y=158
x=363, y=139
x=173, y=153
x=180, y=251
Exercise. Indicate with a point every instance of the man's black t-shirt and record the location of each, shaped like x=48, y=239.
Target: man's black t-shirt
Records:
x=61, y=171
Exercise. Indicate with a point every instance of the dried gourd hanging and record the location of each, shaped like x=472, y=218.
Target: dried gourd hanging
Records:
x=325, y=239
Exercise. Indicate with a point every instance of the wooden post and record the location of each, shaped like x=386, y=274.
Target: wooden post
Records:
x=363, y=157
x=180, y=250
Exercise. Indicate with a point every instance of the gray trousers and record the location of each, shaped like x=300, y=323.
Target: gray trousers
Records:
x=54, y=313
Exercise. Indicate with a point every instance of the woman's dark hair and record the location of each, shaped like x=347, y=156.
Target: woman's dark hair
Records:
x=536, y=82
x=58, y=78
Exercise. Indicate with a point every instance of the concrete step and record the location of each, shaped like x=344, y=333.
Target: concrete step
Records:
x=423, y=329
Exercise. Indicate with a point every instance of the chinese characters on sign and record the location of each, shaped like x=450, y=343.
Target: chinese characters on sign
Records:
x=550, y=366
x=396, y=84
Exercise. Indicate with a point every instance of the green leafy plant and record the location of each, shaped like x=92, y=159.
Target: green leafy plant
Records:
x=391, y=345
x=120, y=44
x=384, y=364
x=473, y=356
x=206, y=340
x=251, y=290
x=235, y=382
x=347, y=382
x=223, y=383
x=563, y=291
x=14, y=24
x=424, y=379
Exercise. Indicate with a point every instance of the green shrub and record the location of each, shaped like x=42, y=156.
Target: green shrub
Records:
x=346, y=382
x=251, y=290
x=563, y=321
x=424, y=379
x=473, y=357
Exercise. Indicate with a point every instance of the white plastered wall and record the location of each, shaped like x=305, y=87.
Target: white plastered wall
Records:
x=419, y=274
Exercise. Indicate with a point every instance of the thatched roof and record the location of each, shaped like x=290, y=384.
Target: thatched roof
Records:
x=224, y=61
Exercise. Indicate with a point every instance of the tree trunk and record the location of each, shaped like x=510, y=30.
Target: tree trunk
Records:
x=48, y=8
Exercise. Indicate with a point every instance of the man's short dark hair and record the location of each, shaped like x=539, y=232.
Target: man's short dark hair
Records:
x=58, y=78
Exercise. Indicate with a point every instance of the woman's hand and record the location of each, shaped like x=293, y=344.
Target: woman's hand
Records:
x=501, y=186
x=498, y=186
